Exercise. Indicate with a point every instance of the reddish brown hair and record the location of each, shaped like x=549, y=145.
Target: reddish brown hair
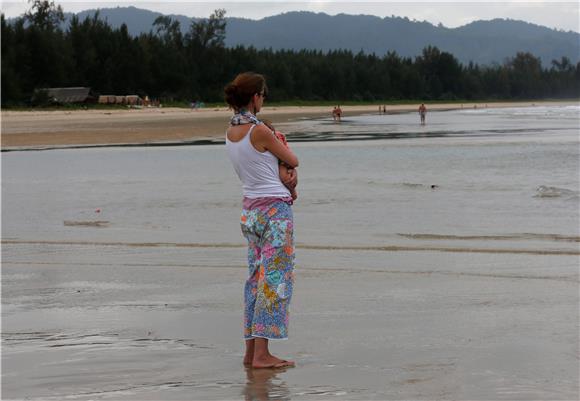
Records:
x=239, y=92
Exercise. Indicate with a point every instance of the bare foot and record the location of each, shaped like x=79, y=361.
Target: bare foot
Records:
x=270, y=361
x=249, y=356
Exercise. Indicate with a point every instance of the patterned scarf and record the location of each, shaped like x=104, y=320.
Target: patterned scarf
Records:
x=244, y=117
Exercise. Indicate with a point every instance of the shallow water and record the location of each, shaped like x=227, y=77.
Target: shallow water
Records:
x=122, y=267
x=519, y=188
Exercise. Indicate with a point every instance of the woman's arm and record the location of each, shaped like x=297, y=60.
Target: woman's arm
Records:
x=263, y=139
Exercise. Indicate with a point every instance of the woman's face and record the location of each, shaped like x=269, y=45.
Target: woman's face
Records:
x=259, y=101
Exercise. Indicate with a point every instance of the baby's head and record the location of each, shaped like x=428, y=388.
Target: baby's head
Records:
x=268, y=124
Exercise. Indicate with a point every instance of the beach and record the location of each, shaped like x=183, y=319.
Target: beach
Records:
x=30, y=129
x=432, y=262
x=115, y=322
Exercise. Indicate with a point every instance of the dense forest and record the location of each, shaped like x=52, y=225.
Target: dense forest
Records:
x=170, y=65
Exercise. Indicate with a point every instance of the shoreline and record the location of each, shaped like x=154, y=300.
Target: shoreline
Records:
x=38, y=130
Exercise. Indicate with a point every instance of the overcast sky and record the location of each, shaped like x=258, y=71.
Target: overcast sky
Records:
x=553, y=14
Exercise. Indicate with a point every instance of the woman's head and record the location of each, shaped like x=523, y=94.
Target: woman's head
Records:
x=248, y=89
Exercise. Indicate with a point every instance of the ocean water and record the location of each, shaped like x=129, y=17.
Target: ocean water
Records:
x=433, y=262
x=480, y=178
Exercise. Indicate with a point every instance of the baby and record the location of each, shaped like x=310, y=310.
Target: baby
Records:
x=285, y=170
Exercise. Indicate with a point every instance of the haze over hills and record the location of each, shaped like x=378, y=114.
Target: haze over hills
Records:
x=483, y=42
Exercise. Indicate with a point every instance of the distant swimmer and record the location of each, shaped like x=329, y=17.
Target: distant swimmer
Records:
x=422, y=113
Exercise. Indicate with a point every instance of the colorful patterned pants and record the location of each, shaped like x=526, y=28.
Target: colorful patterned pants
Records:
x=268, y=289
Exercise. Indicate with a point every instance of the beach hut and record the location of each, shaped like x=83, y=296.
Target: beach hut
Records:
x=133, y=100
x=68, y=95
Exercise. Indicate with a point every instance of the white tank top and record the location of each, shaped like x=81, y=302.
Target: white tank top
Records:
x=258, y=171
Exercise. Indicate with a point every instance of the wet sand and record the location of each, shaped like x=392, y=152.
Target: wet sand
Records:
x=25, y=129
x=90, y=322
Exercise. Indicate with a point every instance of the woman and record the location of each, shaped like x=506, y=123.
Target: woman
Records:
x=267, y=221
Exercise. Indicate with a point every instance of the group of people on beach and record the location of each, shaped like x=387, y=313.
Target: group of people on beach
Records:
x=337, y=112
x=196, y=105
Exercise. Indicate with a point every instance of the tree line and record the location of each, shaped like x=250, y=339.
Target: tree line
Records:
x=170, y=65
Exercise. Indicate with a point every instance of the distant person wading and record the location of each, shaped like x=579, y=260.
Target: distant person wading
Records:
x=266, y=169
x=336, y=113
x=422, y=113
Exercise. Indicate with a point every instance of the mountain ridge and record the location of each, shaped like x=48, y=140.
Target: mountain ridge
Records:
x=483, y=42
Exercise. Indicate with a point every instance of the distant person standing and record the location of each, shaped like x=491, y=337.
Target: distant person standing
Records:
x=422, y=113
x=338, y=113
